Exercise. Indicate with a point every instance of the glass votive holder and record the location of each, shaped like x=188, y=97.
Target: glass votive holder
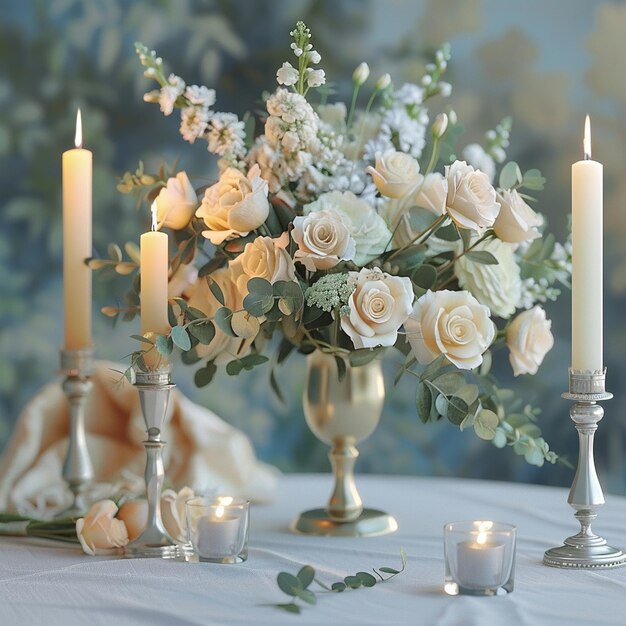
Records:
x=479, y=557
x=217, y=528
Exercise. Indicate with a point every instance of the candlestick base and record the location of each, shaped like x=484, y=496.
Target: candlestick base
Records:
x=154, y=388
x=370, y=523
x=77, y=368
x=586, y=549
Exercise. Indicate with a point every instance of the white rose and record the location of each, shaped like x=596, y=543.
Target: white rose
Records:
x=452, y=323
x=379, y=305
x=173, y=512
x=471, y=200
x=223, y=348
x=235, y=205
x=396, y=173
x=287, y=75
x=368, y=229
x=529, y=339
x=476, y=156
x=497, y=286
x=263, y=258
x=516, y=221
x=323, y=240
x=99, y=530
x=176, y=202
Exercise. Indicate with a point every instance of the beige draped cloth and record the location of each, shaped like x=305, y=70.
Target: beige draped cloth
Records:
x=202, y=450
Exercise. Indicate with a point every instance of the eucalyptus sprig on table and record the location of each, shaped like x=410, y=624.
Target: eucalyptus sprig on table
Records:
x=298, y=586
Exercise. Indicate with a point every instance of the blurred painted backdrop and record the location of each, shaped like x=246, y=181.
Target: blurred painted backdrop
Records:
x=545, y=62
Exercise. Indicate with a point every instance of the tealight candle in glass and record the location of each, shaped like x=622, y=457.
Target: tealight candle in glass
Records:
x=479, y=557
x=218, y=528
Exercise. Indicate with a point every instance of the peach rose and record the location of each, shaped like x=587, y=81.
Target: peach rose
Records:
x=379, y=305
x=176, y=202
x=99, y=530
x=323, y=240
x=235, y=205
x=263, y=258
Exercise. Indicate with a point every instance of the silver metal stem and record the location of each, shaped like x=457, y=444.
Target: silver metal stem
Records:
x=586, y=549
x=154, y=392
x=77, y=367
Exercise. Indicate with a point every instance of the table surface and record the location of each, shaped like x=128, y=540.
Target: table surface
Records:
x=49, y=583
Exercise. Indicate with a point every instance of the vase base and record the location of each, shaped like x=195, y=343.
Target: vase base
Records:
x=370, y=523
x=578, y=557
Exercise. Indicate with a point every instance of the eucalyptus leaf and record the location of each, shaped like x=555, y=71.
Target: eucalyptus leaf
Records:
x=216, y=291
x=354, y=582
x=290, y=607
x=245, y=325
x=289, y=583
x=222, y=319
x=389, y=570
x=423, y=401
x=115, y=253
x=425, y=276
x=338, y=587
x=481, y=256
x=486, y=424
x=180, y=338
x=125, y=268
x=510, y=175
x=258, y=303
x=449, y=382
x=205, y=375
x=363, y=356
x=307, y=596
x=204, y=332
x=142, y=339
x=164, y=345
x=275, y=387
x=367, y=580
x=341, y=367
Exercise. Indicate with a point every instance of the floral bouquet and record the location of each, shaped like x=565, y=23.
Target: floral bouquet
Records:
x=351, y=231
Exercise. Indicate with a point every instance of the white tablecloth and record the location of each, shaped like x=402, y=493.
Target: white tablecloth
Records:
x=57, y=584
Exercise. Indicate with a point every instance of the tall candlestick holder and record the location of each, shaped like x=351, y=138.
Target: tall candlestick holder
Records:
x=77, y=368
x=586, y=549
x=154, y=388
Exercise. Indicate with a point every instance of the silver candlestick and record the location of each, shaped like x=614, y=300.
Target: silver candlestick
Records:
x=154, y=391
x=585, y=549
x=77, y=367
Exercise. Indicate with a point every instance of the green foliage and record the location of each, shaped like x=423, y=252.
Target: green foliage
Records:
x=297, y=587
x=481, y=256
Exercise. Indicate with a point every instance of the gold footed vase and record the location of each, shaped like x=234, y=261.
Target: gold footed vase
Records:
x=342, y=414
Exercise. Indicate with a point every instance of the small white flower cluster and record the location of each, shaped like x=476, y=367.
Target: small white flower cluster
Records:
x=292, y=123
x=431, y=80
x=498, y=140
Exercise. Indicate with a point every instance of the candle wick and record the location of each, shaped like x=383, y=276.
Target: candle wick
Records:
x=153, y=210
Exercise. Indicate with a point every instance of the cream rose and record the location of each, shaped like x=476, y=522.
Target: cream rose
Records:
x=432, y=193
x=497, y=286
x=379, y=305
x=516, y=221
x=99, y=530
x=173, y=512
x=223, y=348
x=529, y=339
x=367, y=228
x=323, y=240
x=452, y=323
x=471, y=200
x=235, y=205
x=396, y=173
x=176, y=202
x=263, y=258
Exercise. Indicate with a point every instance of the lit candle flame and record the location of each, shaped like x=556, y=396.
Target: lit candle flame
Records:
x=483, y=531
x=78, y=137
x=225, y=500
x=219, y=511
x=587, y=139
x=153, y=210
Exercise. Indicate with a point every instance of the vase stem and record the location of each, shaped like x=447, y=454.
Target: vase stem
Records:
x=345, y=504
